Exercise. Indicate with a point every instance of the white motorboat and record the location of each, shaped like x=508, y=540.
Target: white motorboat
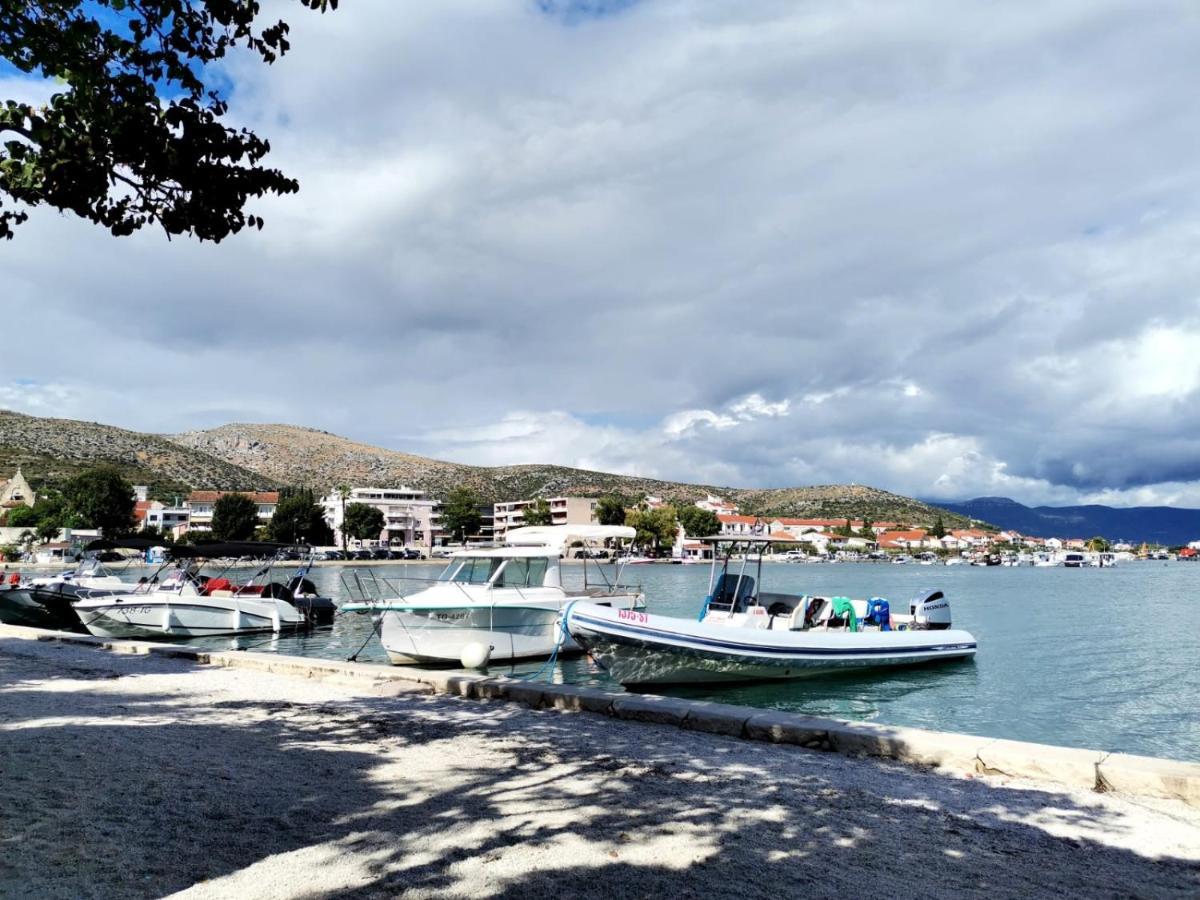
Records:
x=183, y=603
x=505, y=600
x=745, y=633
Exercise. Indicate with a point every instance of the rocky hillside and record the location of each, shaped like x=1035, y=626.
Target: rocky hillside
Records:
x=245, y=457
x=289, y=454
x=50, y=451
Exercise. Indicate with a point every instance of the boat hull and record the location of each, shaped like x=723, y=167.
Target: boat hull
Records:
x=184, y=617
x=38, y=609
x=437, y=635
x=643, y=649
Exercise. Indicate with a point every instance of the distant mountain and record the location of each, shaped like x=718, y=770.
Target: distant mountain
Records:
x=1154, y=524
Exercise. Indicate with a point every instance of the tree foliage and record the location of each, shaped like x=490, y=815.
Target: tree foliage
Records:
x=610, y=510
x=299, y=520
x=537, y=514
x=939, y=529
x=460, y=514
x=363, y=522
x=235, y=517
x=98, y=498
x=132, y=134
x=699, y=522
x=655, y=527
x=21, y=517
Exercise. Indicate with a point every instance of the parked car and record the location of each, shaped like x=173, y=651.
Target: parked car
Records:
x=412, y=553
x=381, y=553
x=334, y=555
x=360, y=554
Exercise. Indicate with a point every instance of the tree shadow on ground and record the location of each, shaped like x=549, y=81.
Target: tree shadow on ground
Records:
x=108, y=790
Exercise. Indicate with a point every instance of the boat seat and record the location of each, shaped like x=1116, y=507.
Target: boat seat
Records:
x=843, y=615
x=723, y=592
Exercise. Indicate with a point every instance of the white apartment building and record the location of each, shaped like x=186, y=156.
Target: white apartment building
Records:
x=199, y=505
x=409, y=517
x=717, y=505
x=563, y=511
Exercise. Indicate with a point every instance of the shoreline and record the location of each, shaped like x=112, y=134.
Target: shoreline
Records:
x=949, y=752
x=142, y=773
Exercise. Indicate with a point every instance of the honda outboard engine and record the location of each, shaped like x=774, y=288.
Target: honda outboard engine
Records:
x=930, y=610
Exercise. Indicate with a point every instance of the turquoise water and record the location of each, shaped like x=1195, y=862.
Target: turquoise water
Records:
x=1101, y=658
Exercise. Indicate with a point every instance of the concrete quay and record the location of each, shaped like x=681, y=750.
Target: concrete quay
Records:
x=952, y=753
x=149, y=770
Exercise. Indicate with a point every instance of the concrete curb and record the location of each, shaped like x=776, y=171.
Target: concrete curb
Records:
x=959, y=754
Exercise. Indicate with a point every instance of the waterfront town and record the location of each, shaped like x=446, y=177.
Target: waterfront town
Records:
x=411, y=520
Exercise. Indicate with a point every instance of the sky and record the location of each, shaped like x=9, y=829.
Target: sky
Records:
x=942, y=248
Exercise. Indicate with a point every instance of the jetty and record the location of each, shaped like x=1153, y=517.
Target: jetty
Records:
x=140, y=769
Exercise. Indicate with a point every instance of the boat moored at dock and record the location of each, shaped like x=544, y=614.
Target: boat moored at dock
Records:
x=745, y=633
x=505, y=600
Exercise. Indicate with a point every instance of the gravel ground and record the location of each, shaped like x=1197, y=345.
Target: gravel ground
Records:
x=139, y=777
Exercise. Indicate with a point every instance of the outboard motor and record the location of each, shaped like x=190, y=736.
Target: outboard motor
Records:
x=930, y=610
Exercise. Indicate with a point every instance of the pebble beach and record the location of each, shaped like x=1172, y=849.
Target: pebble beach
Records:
x=141, y=776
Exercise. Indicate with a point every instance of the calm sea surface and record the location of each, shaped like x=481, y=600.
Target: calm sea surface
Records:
x=1100, y=658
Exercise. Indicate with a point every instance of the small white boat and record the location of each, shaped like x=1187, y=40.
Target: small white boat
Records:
x=745, y=633
x=184, y=603
x=506, y=601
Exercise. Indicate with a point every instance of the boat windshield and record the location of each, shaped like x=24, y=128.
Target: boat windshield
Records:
x=471, y=570
x=527, y=572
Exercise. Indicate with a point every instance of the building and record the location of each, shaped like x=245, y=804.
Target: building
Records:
x=409, y=517
x=172, y=520
x=717, y=505
x=199, y=506
x=16, y=492
x=563, y=511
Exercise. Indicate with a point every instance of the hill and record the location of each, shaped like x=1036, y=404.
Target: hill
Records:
x=246, y=457
x=51, y=451
x=288, y=453
x=1155, y=524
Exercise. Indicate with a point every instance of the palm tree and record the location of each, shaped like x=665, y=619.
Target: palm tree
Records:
x=343, y=491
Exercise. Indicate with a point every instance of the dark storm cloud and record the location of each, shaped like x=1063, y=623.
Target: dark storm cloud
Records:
x=944, y=248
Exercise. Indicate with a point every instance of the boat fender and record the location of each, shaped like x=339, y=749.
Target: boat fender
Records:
x=475, y=655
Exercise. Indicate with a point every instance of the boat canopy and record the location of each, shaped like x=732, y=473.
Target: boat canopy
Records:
x=557, y=537
x=533, y=551
x=229, y=550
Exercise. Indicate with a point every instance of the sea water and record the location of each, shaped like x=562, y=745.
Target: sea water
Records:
x=1100, y=658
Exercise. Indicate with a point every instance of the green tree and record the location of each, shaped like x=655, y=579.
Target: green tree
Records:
x=655, y=527
x=699, y=522
x=867, y=531
x=537, y=514
x=21, y=517
x=1098, y=545
x=99, y=498
x=610, y=510
x=299, y=520
x=939, y=529
x=235, y=517
x=460, y=514
x=132, y=134
x=363, y=522
x=846, y=530
x=47, y=531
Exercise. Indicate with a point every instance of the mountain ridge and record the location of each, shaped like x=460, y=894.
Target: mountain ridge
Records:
x=1168, y=525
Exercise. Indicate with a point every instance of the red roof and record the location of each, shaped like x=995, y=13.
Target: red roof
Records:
x=900, y=538
x=214, y=496
x=744, y=520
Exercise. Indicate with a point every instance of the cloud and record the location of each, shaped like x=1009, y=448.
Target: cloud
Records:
x=944, y=248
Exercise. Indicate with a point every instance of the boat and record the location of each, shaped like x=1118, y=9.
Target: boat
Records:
x=745, y=633
x=45, y=602
x=505, y=601
x=184, y=603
